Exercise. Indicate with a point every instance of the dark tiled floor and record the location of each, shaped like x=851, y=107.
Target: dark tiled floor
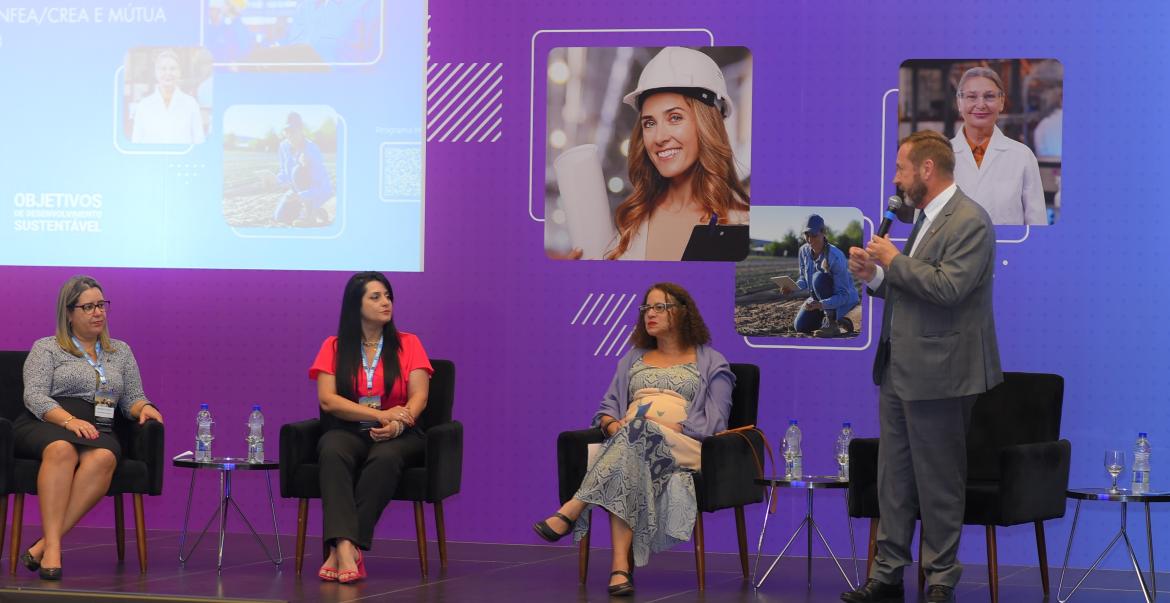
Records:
x=486, y=572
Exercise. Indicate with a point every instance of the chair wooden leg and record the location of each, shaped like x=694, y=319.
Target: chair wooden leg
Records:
x=140, y=531
x=302, y=525
x=119, y=528
x=921, y=568
x=583, y=553
x=700, y=561
x=871, y=550
x=17, y=519
x=741, y=532
x=3, y=519
x=1042, y=553
x=441, y=532
x=992, y=565
x=420, y=534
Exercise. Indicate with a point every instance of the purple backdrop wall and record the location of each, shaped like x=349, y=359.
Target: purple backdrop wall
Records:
x=492, y=302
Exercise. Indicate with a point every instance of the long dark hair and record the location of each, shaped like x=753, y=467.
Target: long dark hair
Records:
x=349, y=338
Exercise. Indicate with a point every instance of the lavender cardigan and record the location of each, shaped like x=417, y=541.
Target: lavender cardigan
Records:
x=708, y=413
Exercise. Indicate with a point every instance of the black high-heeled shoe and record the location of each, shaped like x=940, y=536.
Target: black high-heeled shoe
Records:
x=546, y=532
x=49, y=573
x=29, y=561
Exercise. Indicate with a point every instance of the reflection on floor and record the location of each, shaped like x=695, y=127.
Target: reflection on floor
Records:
x=484, y=572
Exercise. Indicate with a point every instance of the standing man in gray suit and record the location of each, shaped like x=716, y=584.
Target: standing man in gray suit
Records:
x=937, y=353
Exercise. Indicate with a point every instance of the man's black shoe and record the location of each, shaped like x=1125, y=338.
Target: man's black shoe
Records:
x=938, y=593
x=874, y=592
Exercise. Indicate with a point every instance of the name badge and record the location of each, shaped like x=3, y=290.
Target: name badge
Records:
x=374, y=402
x=103, y=409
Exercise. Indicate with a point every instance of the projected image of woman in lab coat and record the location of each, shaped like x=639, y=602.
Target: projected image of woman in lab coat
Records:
x=168, y=115
x=999, y=173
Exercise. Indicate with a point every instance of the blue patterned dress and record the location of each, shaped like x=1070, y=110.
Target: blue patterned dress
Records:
x=637, y=478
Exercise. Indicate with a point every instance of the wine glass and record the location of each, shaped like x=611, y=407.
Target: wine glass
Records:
x=843, y=461
x=1114, y=465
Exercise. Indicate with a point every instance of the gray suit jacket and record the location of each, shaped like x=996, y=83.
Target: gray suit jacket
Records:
x=941, y=339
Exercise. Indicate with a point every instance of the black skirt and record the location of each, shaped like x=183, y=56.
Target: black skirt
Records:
x=32, y=434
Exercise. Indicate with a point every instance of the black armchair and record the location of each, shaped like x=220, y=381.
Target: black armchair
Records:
x=727, y=476
x=438, y=478
x=140, y=471
x=1017, y=465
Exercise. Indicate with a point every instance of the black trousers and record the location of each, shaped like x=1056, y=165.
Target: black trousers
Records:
x=358, y=479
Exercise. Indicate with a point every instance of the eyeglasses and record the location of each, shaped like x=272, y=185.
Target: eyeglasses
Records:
x=659, y=308
x=103, y=305
x=971, y=98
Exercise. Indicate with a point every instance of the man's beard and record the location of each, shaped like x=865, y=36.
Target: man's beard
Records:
x=915, y=194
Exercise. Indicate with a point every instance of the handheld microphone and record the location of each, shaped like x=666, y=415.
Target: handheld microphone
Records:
x=892, y=206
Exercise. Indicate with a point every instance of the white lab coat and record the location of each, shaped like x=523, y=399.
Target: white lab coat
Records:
x=1007, y=184
x=156, y=123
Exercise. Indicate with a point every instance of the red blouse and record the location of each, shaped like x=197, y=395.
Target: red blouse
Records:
x=411, y=356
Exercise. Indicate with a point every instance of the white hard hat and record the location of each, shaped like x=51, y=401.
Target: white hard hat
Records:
x=685, y=71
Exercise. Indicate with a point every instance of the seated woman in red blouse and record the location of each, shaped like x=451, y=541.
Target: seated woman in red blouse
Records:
x=372, y=382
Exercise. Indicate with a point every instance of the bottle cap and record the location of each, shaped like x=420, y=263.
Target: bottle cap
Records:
x=203, y=407
x=792, y=421
x=847, y=424
x=255, y=407
x=1142, y=434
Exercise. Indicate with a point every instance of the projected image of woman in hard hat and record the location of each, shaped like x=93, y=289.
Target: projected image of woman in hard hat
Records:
x=681, y=165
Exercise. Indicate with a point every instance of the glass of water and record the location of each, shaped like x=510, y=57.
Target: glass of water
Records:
x=1114, y=465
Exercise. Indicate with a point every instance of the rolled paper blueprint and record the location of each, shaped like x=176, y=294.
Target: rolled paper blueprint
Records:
x=586, y=203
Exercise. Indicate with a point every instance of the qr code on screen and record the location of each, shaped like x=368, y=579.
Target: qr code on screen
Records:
x=402, y=172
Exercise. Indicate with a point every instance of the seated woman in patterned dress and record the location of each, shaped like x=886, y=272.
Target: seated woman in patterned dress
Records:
x=670, y=392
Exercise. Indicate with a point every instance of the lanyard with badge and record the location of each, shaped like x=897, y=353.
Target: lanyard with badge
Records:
x=104, y=399
x=369, y=368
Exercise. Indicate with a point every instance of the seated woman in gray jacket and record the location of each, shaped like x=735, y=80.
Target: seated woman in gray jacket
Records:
x=670, y=392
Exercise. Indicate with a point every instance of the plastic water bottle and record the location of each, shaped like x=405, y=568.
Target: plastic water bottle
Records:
x=842, y=451
x=256, y=435
x=203, y=435
x=793, y=465
x=1141, y=464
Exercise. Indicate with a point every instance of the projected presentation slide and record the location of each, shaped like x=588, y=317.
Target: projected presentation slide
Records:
x=648, y=153
x=257, y=134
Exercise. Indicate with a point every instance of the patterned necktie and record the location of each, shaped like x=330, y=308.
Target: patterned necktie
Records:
x=909, y=246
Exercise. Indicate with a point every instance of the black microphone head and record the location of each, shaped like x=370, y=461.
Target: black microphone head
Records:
x=894, y=203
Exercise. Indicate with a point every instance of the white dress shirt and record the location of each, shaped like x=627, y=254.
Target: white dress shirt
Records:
x=933, y=209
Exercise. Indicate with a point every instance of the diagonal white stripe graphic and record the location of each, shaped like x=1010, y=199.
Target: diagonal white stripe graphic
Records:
x=615, y=307
x=452, y=87
x=485, y=122
x=606, y=338
x=487, y=104
x=496, y=137
x=593, y=308
x=617, y=339
x=461, y=111
x=460, y=73
x=581, y=309
x=608, y=300
x=458, y=111
x=435, y=78
x=492, y=128
x=458, y=95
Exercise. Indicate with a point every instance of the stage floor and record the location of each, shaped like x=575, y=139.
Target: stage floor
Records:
x=488, y=572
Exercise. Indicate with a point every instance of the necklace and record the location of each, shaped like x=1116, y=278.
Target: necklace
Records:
x=370, y=344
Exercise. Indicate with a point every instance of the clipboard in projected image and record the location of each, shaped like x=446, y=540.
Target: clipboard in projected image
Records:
x=717, y=243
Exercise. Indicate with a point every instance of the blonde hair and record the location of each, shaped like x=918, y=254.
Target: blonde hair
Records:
x=70, y=292
x=714, y=182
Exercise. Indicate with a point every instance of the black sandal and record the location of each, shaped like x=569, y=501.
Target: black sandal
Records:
x=546, y=532
x=624, y=589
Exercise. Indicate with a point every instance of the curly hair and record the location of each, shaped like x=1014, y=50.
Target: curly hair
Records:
x=715, y=184
x=690, y=326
